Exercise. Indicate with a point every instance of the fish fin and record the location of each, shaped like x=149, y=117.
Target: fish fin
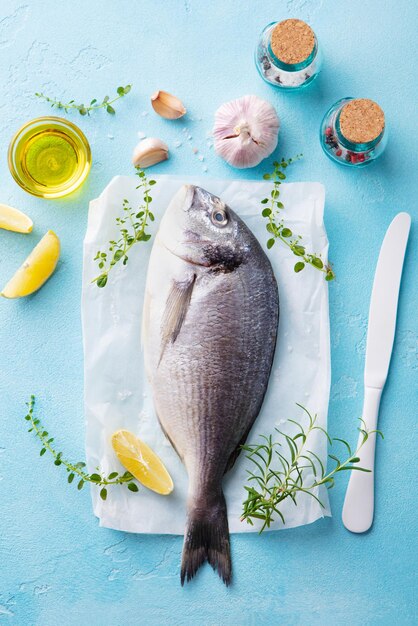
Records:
x=176, y=307
x=145, y=317
x=169, y=438
x=207, y=539
x=235, y=454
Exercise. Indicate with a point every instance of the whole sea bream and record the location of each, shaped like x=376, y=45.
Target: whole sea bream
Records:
x=209, y=334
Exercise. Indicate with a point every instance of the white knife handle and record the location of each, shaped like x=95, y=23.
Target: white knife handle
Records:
x=359, y=500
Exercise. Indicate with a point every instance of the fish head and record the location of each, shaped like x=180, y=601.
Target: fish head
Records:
x=201, y=229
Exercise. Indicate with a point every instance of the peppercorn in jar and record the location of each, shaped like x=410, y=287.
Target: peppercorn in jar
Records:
x=353, y=132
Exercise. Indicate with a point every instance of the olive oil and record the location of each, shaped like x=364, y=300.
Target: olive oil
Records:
x=49, y=157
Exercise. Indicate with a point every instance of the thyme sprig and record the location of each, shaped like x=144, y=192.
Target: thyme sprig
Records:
x=277, y=228
x=132, y=226
x=86, y=109
x=278, y=476
x=75, y=470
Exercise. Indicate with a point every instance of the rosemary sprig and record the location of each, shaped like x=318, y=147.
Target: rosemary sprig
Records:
x=277, y=228
x=277, y=476
x=132, y=227
x=84, y=109
x=75, y=470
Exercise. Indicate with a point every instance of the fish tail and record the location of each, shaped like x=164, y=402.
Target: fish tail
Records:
x=207, y=539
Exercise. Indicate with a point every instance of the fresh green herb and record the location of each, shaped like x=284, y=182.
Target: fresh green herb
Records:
x=276, y=227
x=76, y=471
x=278, y=476
x=85, y=109
x=132, y=226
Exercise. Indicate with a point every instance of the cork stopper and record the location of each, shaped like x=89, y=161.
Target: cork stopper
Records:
x=361, y=120
x=292, y=41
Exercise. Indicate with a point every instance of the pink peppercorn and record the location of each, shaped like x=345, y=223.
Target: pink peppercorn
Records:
x=338, y=152
x=328, y=131
x=360, y=158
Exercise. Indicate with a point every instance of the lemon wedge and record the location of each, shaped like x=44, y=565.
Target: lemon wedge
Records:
x=37, y=268
x=13, y=219
x=142, y=462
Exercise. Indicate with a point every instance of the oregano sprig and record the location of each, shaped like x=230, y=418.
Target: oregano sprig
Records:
x=276, y=226
x=278, y=475
x=132, y=226
x=86, y=109
x=76, y=471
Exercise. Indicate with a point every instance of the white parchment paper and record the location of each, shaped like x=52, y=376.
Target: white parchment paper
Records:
x=116, y=391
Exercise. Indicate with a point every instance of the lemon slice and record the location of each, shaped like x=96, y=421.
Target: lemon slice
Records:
x=37, y=268
x=13, y=219
x=142, y=462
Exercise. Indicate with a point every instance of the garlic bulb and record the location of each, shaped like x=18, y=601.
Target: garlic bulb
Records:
x=167, y=106
x=246, y=131
x=149, y=152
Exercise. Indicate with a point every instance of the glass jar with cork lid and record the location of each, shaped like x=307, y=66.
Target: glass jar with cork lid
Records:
x=353, y=132
x=287, y=54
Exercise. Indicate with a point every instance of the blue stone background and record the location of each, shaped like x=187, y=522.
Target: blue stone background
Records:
x=56, y=564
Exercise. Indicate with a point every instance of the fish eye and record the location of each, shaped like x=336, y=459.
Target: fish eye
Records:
x=219, y=217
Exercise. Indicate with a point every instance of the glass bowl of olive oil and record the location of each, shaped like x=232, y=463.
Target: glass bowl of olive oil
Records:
x=49, y=157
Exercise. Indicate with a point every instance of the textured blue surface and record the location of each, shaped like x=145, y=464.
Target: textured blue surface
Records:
x=56, y=565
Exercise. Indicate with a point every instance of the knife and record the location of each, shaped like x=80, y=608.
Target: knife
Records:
x=358, y=506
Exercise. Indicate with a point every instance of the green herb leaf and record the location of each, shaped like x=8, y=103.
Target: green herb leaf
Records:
x=277, y=228
x=103, y=493
x=133, y=487
x=298, y=250
x=316, y=262
x=273, y=477
x=131, y=231
x=73, y=469
x=101, y=280
x=94, y=104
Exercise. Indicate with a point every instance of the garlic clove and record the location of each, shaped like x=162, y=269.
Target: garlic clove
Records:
x=149, y=152
x=246, y=131
x=167, y=105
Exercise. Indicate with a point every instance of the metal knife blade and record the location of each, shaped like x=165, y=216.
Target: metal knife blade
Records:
x=384, y=302
x=358, y=510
